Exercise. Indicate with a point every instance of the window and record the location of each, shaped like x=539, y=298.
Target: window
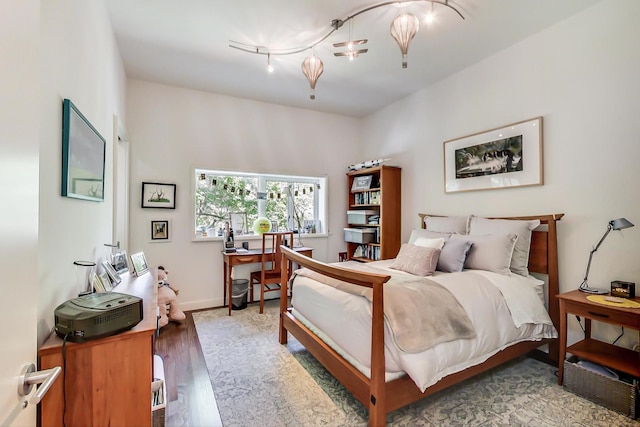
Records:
x=289, y=202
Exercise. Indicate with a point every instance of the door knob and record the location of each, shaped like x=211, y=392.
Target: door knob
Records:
x=29, y=376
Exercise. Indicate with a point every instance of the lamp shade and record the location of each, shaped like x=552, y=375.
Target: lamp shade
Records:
x=620, y=224
x=312, y=68
x=403, y=28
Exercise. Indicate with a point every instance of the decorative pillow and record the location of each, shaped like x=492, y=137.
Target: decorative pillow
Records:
x=522, y=229
x=416, y=260
x=427, y=234
x=453, y=255
x=447, y=224
x=429, y=243
x=489, y=252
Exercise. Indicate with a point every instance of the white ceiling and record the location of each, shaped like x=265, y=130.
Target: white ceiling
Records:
x=186, y=43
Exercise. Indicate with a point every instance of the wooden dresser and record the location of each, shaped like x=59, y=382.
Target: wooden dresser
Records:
x=107, y=380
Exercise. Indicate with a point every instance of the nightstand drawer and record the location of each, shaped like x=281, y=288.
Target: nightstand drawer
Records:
x=605, y=314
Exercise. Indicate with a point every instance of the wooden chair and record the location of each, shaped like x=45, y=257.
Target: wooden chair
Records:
x=268, y=278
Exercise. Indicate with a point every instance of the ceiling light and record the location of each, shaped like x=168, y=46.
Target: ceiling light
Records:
x=403, y=29
x=312, y=68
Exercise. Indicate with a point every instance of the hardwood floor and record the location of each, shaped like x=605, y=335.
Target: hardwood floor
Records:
x=190, y=398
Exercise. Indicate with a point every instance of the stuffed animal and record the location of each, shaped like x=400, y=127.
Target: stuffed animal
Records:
x=168, y=295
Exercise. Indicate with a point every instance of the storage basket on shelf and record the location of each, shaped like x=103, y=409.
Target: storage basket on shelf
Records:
x=615, y=394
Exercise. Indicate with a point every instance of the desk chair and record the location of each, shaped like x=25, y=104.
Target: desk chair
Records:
x=268, y=278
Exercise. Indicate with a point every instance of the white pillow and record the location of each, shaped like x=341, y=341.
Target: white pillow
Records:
x=489, y=252
x=429, y=243
x=426, y=234
x=447, y=224
x=522, y=229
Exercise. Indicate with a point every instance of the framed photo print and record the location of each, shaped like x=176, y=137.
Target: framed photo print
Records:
x=509, y=156
x=119, y=262
x=83, y=154
x=238, y=221
x=361, y=182
x=160, y=231
x=158, y=195
x=139, y=263
x=106, y=282
x=111, y=272
x=96, y=283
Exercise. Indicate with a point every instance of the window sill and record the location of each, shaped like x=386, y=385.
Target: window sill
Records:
x=250, y=237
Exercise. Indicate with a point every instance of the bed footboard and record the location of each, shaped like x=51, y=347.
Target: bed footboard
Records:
x=355, y=382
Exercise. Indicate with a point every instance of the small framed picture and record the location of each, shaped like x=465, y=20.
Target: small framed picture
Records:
x=106, y=282
x=274, y=226
x=96, y=283
x=119, y=262
x=139, y=263
x=160, y=231
x=361, y=182
x=238, y=221
x=158, y=195
x=113, y=274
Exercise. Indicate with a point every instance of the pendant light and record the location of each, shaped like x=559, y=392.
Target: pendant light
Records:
x=403, y=28
x=312, y=68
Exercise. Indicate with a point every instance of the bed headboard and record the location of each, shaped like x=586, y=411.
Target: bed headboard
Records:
x=543, y=256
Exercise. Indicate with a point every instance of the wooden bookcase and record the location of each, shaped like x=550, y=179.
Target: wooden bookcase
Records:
x=382, y=197
x=106, y=381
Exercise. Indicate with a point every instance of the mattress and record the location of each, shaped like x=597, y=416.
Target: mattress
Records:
x=504, y=310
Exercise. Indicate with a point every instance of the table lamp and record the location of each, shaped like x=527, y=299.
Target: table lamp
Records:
x=616, y=224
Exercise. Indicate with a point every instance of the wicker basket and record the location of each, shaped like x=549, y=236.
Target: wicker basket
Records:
x=614, y=394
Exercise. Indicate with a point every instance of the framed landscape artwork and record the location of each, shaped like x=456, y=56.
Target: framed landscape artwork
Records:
x=83, y=154
x=160, y=231
x=158, y=195
x=509, y=156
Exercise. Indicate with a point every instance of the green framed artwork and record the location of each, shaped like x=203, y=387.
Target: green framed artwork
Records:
x=83, y=155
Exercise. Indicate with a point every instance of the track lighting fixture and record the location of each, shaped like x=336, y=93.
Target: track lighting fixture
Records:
x=403, y=29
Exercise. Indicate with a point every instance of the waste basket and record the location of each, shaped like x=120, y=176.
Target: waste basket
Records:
x=239, y=294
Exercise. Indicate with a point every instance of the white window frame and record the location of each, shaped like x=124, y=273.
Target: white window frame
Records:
x=320, y=198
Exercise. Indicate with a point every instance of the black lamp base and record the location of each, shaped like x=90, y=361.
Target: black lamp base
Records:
x=594, y=291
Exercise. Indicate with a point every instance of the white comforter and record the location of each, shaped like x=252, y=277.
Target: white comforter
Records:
x=503, y=309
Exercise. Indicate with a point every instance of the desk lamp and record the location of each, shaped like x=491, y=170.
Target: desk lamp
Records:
x=616, y=224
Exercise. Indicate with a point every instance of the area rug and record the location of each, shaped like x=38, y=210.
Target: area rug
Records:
x=258, y=382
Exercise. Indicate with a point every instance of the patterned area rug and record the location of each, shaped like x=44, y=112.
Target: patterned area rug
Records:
x=258, y=382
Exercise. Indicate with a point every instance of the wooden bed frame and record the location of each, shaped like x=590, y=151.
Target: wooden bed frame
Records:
x=383, y=397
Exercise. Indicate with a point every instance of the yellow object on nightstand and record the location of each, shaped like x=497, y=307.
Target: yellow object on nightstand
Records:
x=613, y=301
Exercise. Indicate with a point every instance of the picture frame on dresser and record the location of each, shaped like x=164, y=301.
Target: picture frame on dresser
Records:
x=139, y=263
x=504, y=157
x=111, y=272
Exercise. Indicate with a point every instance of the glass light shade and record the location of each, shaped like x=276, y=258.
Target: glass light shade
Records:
x=403, y=28
x=312, y=67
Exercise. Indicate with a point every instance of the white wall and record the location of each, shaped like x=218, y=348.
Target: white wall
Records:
x=172, y=130
x=80, y=61
x=19, y=44
x=582, y=77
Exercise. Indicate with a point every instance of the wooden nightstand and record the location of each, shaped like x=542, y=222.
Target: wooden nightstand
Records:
x=609, y=355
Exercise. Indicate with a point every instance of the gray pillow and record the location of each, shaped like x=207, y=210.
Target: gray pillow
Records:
x=522, y=229
x=447, y=224
x=417, y=260
x=490, y=252
x=453, y=254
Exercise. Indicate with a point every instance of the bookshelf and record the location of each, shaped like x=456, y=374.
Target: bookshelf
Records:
x=373, y=218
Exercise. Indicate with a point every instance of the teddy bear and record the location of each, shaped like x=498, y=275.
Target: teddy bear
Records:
x=168, y=295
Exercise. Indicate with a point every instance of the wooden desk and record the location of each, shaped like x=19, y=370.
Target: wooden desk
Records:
x=609, y=355
x=107, y=380
x=252, y=256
